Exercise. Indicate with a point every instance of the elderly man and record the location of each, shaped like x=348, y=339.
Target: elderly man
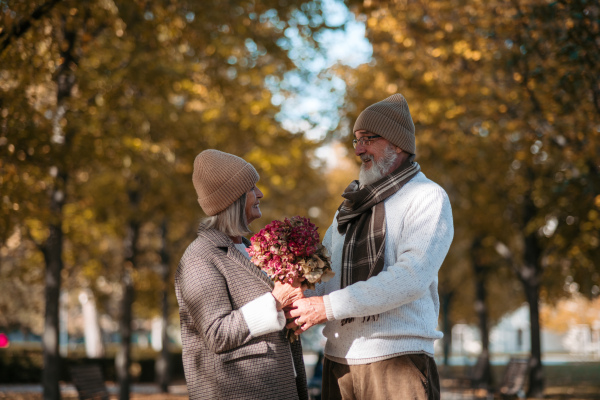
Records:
x=387, y=241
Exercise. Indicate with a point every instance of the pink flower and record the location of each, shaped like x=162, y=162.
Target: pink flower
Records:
x=290, y=250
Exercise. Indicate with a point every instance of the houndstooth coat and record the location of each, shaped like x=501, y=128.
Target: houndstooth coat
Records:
x=220, y=358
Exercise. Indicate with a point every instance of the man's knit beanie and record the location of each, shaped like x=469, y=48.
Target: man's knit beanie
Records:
x=220, y=179
x=390, y=118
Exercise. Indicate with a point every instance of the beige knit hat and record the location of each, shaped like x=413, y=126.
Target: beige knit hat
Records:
x=220, y=179
x=391, y=119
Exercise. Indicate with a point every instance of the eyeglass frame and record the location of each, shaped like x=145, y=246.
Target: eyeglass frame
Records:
x=365, y=140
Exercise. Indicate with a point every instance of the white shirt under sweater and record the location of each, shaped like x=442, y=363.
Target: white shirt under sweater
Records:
x=404, y=296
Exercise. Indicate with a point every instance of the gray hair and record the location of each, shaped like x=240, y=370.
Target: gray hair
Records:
x=232, y=220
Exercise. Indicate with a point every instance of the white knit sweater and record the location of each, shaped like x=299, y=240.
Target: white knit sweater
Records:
x=404, y=296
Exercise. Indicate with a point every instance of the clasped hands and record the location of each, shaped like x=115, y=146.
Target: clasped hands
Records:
x=305, y=312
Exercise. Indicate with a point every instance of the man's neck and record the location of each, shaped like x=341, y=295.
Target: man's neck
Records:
x=401, y=159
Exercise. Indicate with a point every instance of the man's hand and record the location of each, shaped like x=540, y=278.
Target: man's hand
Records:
x=307, y=312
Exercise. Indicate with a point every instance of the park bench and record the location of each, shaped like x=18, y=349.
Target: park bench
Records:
x=478, y=376
x=475, y=385
x=514, y=378
x=89, y=382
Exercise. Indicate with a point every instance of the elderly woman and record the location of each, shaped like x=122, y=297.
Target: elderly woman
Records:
x=234, y=344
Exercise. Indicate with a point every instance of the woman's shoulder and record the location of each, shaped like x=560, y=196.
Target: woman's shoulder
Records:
x=209, y=244
x=212, y=237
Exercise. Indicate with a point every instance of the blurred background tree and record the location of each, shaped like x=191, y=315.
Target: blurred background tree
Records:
x=504, y=96
x=104, y=106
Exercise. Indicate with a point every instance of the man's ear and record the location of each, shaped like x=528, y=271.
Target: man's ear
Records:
x=398, y=150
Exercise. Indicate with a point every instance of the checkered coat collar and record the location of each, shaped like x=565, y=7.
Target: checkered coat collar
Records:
x=221, y=240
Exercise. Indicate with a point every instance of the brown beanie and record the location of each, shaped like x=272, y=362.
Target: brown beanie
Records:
x=390, y=118
x=220, y=179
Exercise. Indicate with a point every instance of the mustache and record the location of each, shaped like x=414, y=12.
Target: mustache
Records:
x=366, y=157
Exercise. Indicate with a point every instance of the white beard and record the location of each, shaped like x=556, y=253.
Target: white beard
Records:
x=379, y=168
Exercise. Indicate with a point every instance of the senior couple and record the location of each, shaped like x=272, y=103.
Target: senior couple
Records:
x=387, y=242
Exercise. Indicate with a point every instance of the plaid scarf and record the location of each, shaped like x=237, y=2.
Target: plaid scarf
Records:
x=362, y=218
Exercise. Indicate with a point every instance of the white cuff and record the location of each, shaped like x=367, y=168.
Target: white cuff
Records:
x=262, y=317
x=328, y=308
x=281, y=318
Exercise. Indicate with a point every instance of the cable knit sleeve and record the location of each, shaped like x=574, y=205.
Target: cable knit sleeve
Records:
x=421, y=237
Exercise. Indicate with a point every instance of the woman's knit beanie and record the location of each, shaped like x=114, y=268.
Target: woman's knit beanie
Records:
x=390, y=118
x=220, y=179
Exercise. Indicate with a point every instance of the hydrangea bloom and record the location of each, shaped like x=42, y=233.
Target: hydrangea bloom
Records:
x=290, y=250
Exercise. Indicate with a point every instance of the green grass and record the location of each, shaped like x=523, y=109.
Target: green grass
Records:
x=573, y=374
x=571, y=381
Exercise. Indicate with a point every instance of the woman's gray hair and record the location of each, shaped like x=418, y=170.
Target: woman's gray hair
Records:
x=232, y=220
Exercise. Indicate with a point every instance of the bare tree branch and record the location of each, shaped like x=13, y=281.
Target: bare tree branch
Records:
x=6, y=37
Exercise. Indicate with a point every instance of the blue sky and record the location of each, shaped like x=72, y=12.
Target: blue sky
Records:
x=312, y=93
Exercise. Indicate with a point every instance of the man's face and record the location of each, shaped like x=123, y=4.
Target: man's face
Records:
x=379, y=158
x=372, y=153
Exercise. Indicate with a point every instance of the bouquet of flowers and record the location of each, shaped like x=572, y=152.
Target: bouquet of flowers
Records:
x=290, y=250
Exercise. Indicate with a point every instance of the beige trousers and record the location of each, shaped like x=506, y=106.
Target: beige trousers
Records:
x=411, y=376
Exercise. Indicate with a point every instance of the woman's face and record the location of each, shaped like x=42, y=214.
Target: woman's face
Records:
x=252, y=204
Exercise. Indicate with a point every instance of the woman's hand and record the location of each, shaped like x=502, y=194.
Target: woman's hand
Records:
x=285, y=294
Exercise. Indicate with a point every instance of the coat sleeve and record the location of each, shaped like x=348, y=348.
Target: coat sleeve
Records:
x=204, y=291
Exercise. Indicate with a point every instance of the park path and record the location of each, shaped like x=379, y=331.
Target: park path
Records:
x=68, y=392
x=138, y=392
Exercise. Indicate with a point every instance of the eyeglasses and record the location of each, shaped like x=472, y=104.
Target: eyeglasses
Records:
x=365, y=140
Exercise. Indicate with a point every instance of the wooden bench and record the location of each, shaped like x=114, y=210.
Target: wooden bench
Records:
x=476, y=376
x=479, y=374
x=89, y=382
x=514, y=378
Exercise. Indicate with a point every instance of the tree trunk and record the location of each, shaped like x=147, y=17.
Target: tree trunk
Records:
x=536, y=373
x=446, y=300
x=164, y=363
x=52, y=249
x=481, y=272
x=123, y=359
x=530, y=275
x=530, y=278
x=52, y=246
